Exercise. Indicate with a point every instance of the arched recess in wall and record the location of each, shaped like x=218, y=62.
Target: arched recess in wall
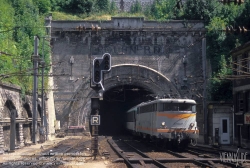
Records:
x=27, y=111
x=39, y=114
x=8, y=109
x=27, y=126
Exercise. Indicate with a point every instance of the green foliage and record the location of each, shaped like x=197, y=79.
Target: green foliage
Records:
x=73, y=6
x=43, y=6
x=20, y=22
x=163, y=9
x=221, y=90
x=113, y=8
x=22, y=19
x=194, y=9
x=64, y=16
x=136, y=7
x=55, y=5
x=102, y=5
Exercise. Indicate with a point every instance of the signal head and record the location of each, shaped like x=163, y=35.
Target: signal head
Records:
x=96, y=63
x=96, y=71
x=107, y=62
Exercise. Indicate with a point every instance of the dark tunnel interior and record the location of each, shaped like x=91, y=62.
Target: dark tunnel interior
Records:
x=114, y=105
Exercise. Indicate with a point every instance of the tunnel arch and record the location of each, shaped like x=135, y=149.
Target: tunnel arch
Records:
x=140, y=75
x=131, y=76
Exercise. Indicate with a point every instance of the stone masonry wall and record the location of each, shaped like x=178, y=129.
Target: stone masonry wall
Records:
x=173, y=49
x=10, y=98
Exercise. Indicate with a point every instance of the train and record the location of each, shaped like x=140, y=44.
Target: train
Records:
x=168, y=121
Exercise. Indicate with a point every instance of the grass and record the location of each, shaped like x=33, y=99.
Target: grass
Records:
x=65, y=16
x=92, y=16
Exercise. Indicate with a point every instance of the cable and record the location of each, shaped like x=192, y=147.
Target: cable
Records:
x=28, y=70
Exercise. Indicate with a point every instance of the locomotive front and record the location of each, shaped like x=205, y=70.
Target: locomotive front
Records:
x=176, y=119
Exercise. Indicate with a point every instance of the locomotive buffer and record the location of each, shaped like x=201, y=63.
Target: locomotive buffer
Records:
x=99, y=67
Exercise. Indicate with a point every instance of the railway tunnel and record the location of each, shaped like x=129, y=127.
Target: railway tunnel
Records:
x=154, y=58
x=126, y=86
x=116, y=102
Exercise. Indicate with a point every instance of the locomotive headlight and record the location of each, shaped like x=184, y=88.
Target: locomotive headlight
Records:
x=163, y=124
x=192, y=124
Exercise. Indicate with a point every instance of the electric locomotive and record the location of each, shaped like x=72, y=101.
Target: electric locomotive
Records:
x=171, y=120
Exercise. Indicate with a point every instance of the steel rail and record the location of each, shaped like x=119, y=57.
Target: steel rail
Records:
x=146, y=156
x=127, y=162
x=193, y=159
x=212, y=152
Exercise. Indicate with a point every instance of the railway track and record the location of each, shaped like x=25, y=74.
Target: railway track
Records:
x=210, y=153
x=136, y=154
x=132, y=156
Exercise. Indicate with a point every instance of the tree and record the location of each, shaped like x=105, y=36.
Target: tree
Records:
x=76, y=6
x=113, y=8
x=44, y=6
x=102, y=5
x=19, y=22
x=136, y=7
x=163, y=9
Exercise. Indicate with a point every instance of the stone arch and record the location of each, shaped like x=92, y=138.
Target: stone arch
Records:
x=39, y=109
x=27, y=111
x=143, y=76
x=11, y=130
x=8, y=107
x=27, y=126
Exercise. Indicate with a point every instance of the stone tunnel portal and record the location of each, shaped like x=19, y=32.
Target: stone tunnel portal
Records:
x=128, y=85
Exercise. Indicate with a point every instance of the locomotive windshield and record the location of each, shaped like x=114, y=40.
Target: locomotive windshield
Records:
x=179, y=107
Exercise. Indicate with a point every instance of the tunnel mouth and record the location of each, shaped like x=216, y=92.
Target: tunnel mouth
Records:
x=116, y=101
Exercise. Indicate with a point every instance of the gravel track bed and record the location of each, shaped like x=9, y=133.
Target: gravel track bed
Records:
x=188, y=155
x=109, y=154
x=63, y=152
x=154, y=153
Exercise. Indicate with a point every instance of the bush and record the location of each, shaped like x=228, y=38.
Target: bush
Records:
x=44, y=6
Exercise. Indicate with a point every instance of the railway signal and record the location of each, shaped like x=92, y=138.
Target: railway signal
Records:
x=97, y=71
x=100, y=66
x=107, y=62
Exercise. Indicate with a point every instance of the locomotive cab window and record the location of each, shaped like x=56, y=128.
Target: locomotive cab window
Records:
x=194, y=108
x=179, y=107
x=185, y=107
